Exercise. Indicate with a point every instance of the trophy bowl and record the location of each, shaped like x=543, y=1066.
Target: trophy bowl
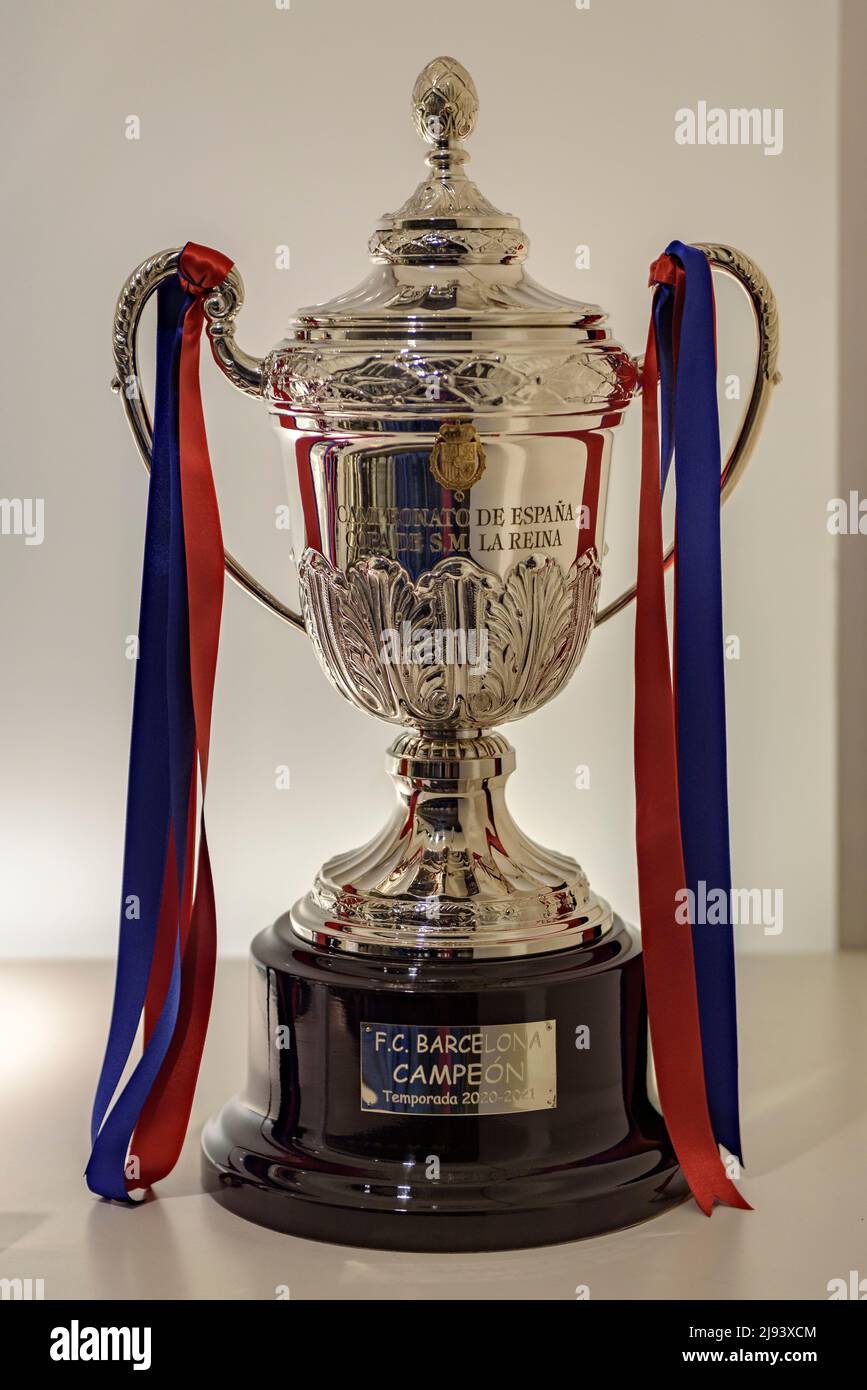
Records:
x=448, y=1032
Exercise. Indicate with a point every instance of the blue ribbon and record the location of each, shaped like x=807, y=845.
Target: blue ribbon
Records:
x=690, y=429
x=160, y=770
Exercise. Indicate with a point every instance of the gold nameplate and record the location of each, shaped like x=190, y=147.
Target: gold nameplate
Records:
x=471, y=1069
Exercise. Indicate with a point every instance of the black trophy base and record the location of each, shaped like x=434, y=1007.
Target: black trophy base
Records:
x=303, y=1150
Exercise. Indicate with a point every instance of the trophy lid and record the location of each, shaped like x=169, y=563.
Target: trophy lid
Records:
x=448, y=318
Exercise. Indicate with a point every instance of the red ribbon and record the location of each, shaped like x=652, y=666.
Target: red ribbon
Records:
x=162, y=1124
x=669, y=965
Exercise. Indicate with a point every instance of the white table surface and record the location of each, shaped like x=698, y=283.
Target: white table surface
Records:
x=804, y=1062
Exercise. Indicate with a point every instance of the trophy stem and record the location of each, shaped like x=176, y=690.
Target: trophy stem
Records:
x=450, y=872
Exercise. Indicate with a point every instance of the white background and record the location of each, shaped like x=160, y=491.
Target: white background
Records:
x=261, y=127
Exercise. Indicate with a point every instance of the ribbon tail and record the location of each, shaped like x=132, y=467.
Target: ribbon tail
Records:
x=668, y=950
x=167, y=960
x=163, y=1122
x=690, y=370
x=162, y=1126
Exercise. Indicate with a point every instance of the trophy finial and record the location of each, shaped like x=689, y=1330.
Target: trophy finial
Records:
x=445, y=102
x=447, y=220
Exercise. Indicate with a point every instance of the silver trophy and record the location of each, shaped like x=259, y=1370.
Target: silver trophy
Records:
x=446, y=429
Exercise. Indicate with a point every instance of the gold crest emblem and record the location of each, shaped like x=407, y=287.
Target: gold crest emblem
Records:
x=457, y=459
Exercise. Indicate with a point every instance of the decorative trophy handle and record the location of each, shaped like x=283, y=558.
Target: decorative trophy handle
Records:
x=752, y=280
x=221, y=306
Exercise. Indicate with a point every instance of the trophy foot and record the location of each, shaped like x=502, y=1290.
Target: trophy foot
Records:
x=444, y=1104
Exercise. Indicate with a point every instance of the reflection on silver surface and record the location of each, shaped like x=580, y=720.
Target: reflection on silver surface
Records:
x=451, y=874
